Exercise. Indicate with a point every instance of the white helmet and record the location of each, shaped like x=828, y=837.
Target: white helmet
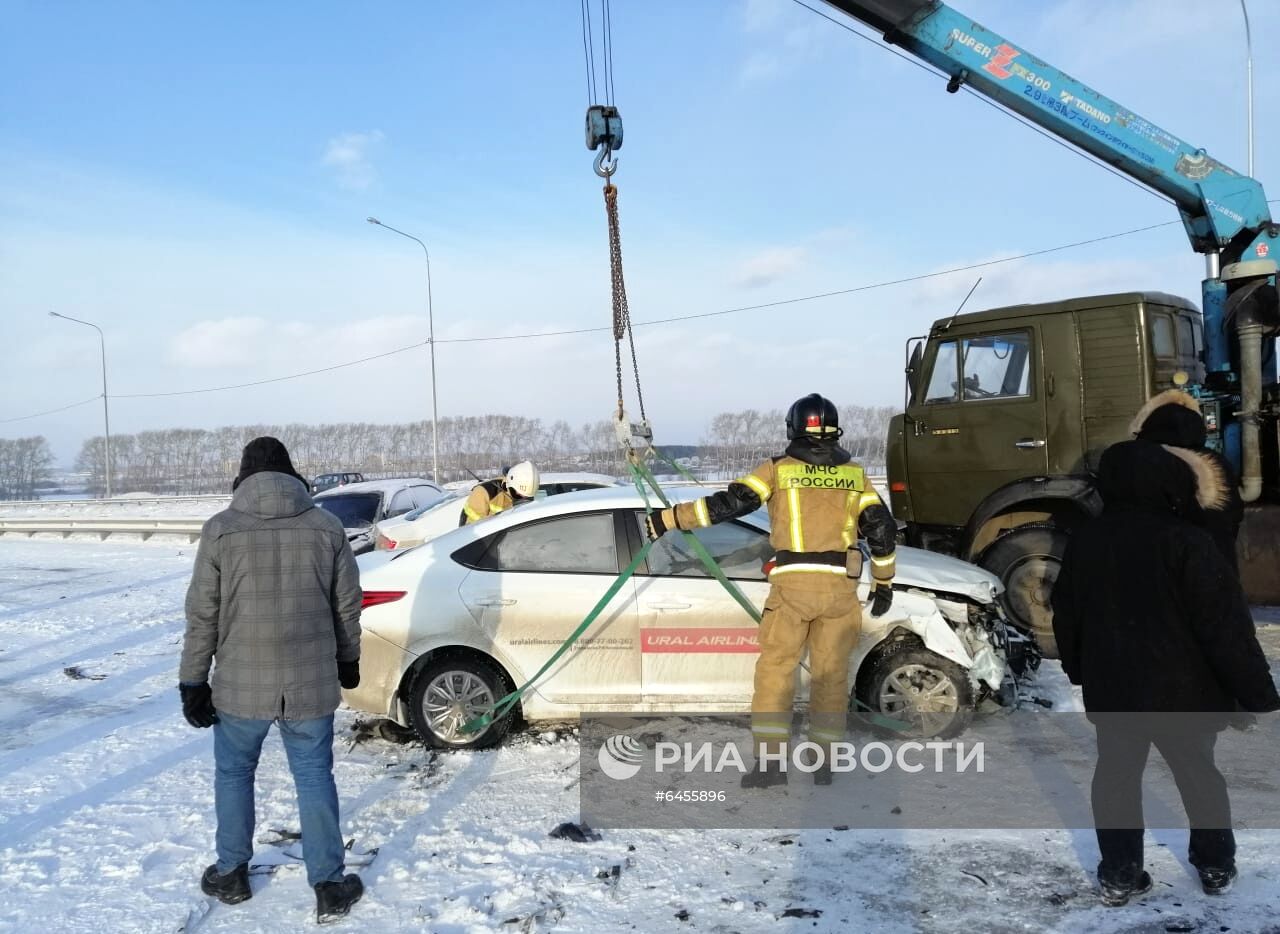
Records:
x=522, y=479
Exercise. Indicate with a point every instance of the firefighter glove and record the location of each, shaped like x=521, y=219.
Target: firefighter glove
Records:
x=197, y=704
x=881, y=600
x=658, y=524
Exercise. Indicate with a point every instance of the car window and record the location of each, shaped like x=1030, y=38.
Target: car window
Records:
x=741, y=552
x=443, y=499
x=997, y=366
x=583, y=544
x=943, y=384
x=401, y=503
x=354, y=509
x=424, y=495
x=575, y=487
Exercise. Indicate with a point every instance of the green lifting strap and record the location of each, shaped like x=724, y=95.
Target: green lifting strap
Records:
x=641, y=476
x=504, y=704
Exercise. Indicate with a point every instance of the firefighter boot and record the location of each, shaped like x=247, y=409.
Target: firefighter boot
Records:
x=763, y=777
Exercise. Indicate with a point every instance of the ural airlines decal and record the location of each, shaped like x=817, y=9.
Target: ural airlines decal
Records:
x=700, y=641
x=1000, y=59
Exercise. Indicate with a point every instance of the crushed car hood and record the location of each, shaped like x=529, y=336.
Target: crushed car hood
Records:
x=942, y=573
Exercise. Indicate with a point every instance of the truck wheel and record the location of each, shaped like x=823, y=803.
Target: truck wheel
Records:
x=1027, y=561
x=929, y=695
x=452, y=690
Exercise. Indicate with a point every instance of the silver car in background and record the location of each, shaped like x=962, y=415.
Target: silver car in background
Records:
x=361, y=506
x=424, y=524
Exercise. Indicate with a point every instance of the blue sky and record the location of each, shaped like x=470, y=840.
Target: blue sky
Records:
x=195, y=179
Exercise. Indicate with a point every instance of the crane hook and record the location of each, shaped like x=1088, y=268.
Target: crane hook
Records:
x=605, y=164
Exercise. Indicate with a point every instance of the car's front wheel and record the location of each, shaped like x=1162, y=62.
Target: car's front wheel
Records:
x=916, y=693
x=449, y=692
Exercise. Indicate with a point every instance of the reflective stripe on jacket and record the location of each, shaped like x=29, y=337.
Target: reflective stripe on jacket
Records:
x=816, y=514
x=486, y=499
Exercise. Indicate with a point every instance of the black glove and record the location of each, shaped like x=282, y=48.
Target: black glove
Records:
x=881, y=600
x=197, y=705
x=349, y=674
x=658, y=524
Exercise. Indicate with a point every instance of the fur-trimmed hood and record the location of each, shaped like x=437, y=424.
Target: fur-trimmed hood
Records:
x=1170, y=417
x=1213, y=488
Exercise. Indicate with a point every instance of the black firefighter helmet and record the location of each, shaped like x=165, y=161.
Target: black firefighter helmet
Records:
x=813, y=416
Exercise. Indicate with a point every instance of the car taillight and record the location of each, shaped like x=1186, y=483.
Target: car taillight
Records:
x=382, y=543
x=377, y=597
x=897, y=487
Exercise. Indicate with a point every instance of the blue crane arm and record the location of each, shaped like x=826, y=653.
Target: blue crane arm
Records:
x=1222, y=209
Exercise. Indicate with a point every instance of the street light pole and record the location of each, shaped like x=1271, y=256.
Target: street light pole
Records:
x=1248, y=48
x=431, y=345
x=106, y=413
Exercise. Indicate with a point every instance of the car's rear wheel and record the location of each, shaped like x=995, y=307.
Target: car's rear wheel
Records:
x=1027, y=561
x=449, y=692
x=916, y=693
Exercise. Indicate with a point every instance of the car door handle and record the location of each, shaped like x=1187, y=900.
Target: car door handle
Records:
x=1028, y=443
x=495, y=601
x=669, y=605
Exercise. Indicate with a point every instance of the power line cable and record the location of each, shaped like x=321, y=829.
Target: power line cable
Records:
x=656, y=321
x=74, y=405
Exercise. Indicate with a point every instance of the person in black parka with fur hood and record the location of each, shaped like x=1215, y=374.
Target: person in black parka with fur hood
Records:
x=1150, y=618
x=1173, y=419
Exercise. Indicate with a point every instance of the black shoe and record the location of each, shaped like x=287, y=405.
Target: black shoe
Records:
x=231, y=888
x=334, y=899
x=822, y=775
x=764, y=778
x=1115, y=894
x=1217, y=881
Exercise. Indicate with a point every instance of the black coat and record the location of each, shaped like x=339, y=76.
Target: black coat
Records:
x=1173, y=419
x=1148, y=615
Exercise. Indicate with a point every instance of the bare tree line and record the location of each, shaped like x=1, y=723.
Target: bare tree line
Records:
x=188, y=461
x=738, y=441
x=25, y=464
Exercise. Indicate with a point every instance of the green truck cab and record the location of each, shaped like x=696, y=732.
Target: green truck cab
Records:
x=1007, y=413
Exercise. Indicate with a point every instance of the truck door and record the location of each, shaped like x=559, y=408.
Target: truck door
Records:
x=978, y=422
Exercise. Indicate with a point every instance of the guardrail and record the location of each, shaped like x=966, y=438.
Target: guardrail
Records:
x=115, y=501
x=102, y=527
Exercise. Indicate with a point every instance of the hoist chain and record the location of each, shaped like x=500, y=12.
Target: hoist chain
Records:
x=621, y=312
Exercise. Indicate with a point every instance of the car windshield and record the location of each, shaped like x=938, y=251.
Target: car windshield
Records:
x=423, y=510
x=354, y=509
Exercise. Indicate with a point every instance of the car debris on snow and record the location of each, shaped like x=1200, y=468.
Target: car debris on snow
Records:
x=577, y=833
x=76, y=673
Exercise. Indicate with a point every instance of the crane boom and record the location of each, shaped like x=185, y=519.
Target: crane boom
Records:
x=1219, y=205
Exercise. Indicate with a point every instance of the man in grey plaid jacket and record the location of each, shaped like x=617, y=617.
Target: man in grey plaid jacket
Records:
x=275, y=602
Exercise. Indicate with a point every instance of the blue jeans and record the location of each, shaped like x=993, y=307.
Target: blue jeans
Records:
x=237, y=742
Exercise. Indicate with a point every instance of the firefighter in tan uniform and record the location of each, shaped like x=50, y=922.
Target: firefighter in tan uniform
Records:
x=518, y=485
x=820, y=504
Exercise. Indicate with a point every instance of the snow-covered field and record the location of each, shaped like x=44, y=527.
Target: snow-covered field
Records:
x=106, y=813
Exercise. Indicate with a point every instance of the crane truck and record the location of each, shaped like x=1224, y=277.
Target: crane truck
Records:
x=1007, y=410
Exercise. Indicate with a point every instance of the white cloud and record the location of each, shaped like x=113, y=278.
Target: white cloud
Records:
x=348, y=154
x=768, y=266
x=259, y=344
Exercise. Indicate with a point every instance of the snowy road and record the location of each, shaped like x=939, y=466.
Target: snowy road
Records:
x=106, y=813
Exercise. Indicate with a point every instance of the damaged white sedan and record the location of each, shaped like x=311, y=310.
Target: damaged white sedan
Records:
x=455, y=624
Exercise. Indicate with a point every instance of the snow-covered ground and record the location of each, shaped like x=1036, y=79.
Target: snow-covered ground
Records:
x=106, y=813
